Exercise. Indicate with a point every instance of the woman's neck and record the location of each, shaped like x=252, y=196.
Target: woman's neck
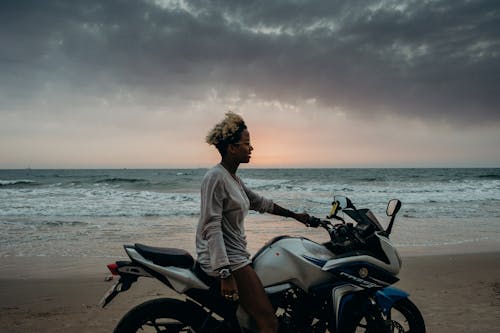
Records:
x=230, y=166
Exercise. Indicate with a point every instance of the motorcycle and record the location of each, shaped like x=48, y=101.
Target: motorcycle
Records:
x=343, y=285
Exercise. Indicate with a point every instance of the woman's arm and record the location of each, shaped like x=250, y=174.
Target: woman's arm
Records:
x=278, y=210
x=261, y=204
x=212, y=197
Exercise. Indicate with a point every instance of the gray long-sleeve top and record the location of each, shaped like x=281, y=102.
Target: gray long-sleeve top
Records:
x=220, y=236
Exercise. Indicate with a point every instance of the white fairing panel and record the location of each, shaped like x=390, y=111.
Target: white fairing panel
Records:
x=294, y=260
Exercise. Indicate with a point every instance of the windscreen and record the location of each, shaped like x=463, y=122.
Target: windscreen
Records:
x=364, y=217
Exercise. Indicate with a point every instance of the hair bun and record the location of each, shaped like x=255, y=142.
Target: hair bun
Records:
x=226, y=129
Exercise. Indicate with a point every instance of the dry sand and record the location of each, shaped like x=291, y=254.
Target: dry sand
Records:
x=455, y=292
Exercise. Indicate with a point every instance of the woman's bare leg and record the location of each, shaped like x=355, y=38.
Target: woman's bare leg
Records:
x=254, y=300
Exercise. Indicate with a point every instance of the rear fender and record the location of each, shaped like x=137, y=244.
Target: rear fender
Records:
x=386, y=298
x=124, y=284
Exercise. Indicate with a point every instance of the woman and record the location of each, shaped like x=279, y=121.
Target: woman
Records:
x=220, y=237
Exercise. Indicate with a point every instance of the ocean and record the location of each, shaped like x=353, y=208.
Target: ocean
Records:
x=92, y=213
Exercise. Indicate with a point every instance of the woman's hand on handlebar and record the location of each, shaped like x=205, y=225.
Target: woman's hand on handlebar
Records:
x=313, y=222
x=308, y=220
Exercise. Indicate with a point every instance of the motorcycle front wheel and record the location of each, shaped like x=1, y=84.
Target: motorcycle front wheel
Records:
x=403, y=317
x=162, y=315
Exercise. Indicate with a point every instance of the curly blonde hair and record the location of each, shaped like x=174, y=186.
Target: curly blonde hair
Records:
x=226, y=132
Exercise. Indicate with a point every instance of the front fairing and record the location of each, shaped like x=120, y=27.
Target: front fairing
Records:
x=391, y=261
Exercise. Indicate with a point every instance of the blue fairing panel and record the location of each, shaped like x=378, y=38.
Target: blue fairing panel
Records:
x=388, y=296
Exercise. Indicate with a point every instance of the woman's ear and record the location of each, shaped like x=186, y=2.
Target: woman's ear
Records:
x=230, y=148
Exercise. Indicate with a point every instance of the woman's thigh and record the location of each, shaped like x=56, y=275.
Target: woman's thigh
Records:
x=251, y=292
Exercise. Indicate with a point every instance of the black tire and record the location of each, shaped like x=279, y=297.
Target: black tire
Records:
x=404, y=315
x=163, y=315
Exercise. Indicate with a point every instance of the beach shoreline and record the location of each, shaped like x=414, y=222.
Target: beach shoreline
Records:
x=456, y=291
x=50, y=267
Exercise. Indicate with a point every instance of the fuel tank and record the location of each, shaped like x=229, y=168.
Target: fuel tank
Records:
x=295, y=260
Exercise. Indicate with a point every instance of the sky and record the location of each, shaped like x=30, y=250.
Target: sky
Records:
x=138, y=84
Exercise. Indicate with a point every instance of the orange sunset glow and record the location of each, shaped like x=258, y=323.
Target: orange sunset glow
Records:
x=325, y=91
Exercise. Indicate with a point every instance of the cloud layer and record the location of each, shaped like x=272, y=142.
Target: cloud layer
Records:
x=434, y=60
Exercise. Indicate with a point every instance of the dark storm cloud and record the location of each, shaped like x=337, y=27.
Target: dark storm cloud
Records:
x=436, y=59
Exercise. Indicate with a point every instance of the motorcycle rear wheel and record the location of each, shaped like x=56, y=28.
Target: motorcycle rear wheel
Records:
x=162, y=315
x=404, y=317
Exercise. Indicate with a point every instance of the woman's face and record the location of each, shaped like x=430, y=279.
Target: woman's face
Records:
x=243, y=149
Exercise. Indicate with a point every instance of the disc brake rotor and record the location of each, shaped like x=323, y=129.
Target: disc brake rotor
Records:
x=396, y=327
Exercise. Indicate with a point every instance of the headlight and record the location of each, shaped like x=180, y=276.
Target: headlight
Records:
x=363, y=272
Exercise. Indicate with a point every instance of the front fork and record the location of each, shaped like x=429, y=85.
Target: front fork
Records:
x=376, y=319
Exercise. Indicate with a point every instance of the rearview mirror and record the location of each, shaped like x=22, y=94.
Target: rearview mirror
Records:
x=393, y=207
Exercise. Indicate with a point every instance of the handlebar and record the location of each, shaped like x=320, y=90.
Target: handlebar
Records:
x=346, y=236
x=343, y=235
x=313, y=222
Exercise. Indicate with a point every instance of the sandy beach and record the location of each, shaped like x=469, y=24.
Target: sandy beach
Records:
x=455, y=292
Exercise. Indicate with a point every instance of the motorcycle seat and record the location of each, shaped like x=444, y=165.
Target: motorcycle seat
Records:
x=164, y=256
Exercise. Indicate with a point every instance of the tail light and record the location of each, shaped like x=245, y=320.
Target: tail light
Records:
x=113, y=268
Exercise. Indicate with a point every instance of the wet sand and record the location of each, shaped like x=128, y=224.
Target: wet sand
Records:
x=455, y=292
